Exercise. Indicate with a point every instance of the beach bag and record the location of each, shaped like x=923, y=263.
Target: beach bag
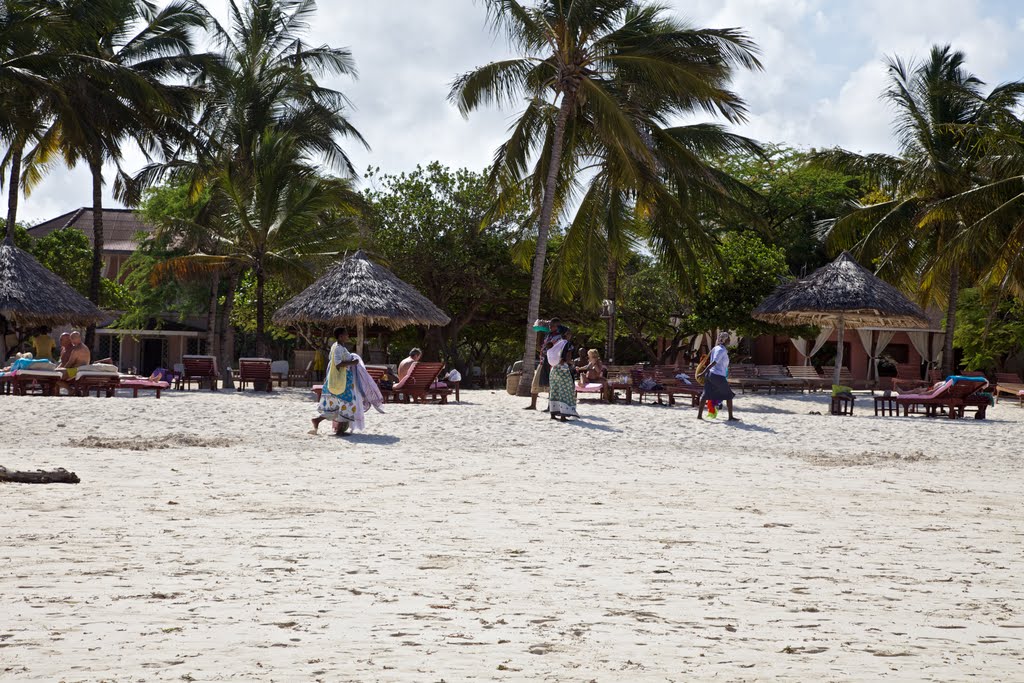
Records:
x=702, y=367
x=649, y=384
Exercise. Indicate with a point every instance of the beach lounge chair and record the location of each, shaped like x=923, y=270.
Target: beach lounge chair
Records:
x=1009, y=384
x=744, y=377
x=809, y=376
x=136, y=384
x=954, y=394
x=101, y=378
x=255, y=371
x=279, y=370
x=25, y=382
x=200, y=369
x=778, y=377
x=690, y=390
x=421, y=381
x=590, y=390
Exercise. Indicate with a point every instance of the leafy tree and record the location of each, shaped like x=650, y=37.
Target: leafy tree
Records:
x=991, y=329
x=751, y=271
x=585, y=64
x=285, y=220
x=125, y=90
x=426, y=226
x=243, y=313
x=944, y=120
x=791, y=197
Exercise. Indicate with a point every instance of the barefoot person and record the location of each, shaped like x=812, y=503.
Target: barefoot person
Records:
x=716, y=386
x=78, y=354
x=406, y=365
x=340, y=399
x=542, y=371
x=562, y=394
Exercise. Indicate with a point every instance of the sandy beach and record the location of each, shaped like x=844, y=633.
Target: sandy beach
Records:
x=212, y=539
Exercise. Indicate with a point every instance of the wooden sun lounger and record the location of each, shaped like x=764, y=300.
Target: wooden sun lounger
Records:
x=254, y=371
x=419, y=382
x=23, y=382
x=779, y=378
x=744, y=377
x=199, y=369
x=137, y=384
x=953, y=395
x=1009, y=384
x=810, y=376
x=847, y=379
x=85, y=382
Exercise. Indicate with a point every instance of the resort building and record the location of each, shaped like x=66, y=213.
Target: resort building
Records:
x=165, y=340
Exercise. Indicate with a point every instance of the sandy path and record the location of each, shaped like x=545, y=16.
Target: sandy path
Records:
x=478, y=541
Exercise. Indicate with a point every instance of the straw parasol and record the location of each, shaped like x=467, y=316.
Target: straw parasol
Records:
x=31, y=295
x=358, y=292
x=844, y=294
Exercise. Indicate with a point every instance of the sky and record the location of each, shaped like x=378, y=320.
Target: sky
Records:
x=823, y=73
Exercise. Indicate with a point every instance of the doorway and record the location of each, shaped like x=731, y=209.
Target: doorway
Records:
x=152, y=355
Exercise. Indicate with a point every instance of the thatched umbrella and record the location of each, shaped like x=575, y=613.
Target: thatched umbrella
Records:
x=31, y=295
x=356, y=293
x=843, y=294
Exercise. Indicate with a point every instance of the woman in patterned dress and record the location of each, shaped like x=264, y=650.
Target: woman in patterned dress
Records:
x=562, y=391
x=340, y=398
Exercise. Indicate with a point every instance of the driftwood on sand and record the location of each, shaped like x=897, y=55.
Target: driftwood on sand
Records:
x=57, y=476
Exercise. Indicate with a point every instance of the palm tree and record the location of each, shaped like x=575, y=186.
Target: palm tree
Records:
x=29, y=64
x=583, y=62
x=266, y=79
x=665, y=214
x=282, y=221
x=126, y=90
x=943, y=122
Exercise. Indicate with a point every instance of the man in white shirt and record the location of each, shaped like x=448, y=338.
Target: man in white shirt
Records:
x=716, y=385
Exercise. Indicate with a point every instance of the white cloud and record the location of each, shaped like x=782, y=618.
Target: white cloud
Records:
x=820, y=87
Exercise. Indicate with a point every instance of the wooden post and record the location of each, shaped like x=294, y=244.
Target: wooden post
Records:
x=839, y=351
x=360, y=331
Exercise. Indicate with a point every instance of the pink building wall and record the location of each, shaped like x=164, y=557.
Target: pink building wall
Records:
x=768, y=350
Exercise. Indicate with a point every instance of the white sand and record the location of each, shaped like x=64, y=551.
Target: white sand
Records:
x=479, y=541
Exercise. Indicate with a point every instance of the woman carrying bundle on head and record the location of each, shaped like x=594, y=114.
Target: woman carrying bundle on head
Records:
x=715, y=375
x=562, y=390
x=347, y=391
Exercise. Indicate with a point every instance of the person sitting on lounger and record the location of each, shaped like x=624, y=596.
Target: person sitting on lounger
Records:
x=42, y=343
x=65, y=347
x=594, y=372
x=78, y=355
x=406, y=365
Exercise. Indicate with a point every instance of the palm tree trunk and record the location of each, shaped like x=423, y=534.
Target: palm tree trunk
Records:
x=96, y=168
x=227, y=345
x=12, y=192
x=211, y=318
x=261, y=344
x=947, y=347
x=539, y=256
x=613, y=292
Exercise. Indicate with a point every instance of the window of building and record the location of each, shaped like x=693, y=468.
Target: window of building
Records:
x=110, y=347
x=195, y=347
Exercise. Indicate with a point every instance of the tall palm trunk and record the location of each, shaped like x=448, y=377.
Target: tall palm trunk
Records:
x=96, y=168
x=613, y=293
x=227, y=341
x=543, y=226
x=948, y=366
x=261, y=344
x=211, y=318
x=12, y=193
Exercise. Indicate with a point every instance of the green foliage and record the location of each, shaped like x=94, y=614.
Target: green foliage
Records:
x=792, y=196
x=67, y=253
x=989, y=329
x=426, y=226
x=275, y=294
x=752, y=271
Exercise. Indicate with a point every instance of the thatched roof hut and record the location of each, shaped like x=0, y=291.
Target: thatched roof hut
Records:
x=844, y=294
x=31, y=295
x=356, y=293
x=843, y=289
